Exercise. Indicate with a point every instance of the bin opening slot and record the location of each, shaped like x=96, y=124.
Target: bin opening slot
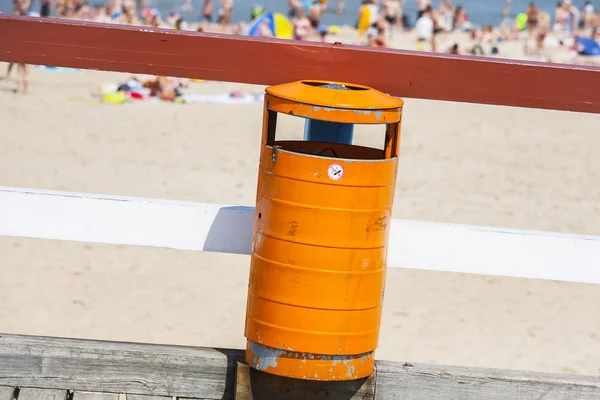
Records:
x=331, y=150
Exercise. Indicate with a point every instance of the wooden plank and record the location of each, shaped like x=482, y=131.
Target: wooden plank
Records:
x=6, y=393
x=146, y=397
x=42, y=394
x=112, y=367
x=219, y=57
x=157, y=370
x=252, y=384
x=220, y=228
x=81, y=395
x=429, y=382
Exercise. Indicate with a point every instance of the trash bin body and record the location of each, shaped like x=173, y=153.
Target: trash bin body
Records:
x=322, y=222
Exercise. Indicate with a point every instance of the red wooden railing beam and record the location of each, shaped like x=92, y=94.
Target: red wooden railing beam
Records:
x=269, y=61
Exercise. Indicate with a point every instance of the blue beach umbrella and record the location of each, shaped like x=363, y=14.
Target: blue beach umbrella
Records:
x=279, y=24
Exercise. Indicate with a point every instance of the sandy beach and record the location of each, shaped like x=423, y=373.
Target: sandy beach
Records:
x=460, y=163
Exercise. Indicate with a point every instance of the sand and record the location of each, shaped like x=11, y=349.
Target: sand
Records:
x=460, y=163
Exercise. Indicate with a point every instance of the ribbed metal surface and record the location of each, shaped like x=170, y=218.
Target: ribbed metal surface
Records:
x=318, y=262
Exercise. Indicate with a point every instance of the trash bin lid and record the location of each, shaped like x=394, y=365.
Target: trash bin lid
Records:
x=335, y=95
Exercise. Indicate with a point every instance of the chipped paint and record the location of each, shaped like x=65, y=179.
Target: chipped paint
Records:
x=370, y=115
x=321, y=367
x=264, y=357
x=350, y=372
x=274, y=153
x=306, y=111
x=293, y=228
x=258, y=236
x=338, y=359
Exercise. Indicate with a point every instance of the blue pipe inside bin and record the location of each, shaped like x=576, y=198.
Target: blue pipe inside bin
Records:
x=327, y=131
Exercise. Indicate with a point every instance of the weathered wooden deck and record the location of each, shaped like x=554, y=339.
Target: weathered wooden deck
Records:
x=42, y=368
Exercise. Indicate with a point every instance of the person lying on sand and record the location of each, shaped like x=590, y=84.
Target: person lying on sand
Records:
x=164, y=88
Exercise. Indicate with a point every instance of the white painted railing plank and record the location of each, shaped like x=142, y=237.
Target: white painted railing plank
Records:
x=494, y=251
x=228, y=229
x=125, y=220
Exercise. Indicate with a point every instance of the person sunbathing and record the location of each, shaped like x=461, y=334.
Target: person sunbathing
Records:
x=164, y=88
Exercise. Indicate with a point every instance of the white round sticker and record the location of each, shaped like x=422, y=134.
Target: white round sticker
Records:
x=335, y=172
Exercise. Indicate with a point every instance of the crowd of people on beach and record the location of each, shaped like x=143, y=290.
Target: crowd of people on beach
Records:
x=572, y=27
x=569, y=23
x=377, y=21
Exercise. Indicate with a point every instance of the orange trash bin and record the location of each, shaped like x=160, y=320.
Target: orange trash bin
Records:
x=322, y=221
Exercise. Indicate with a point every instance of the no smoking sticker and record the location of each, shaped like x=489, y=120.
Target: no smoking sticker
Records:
x=335, y=172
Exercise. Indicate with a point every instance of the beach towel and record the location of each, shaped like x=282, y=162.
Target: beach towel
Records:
x=119, y=98
x=62, y=70
x=588, y=46
x=225, y=98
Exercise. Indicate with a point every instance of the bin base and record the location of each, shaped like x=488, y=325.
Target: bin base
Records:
x=309, y=366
